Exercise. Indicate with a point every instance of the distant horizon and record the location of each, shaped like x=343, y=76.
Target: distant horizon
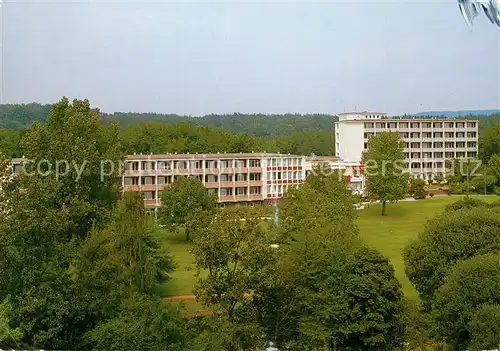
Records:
x=420, y=113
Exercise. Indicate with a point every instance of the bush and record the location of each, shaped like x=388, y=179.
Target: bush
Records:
x=431, y=194
x=417, y=188
x=484, y=327
x=447, y=239
x=457, y=189
x=494, y=204
x=479, y=184
x=458, y=304
x=466, y=202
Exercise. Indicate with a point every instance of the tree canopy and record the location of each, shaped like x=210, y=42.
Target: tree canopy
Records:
x=384, y=168
x=447, y=239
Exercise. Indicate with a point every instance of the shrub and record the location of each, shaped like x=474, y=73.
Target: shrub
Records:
x=417, y=188
x=458, y=304
x=447, y=239
x=466, y=202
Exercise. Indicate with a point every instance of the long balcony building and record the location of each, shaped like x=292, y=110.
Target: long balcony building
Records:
x=238, y=178
x=233, y=178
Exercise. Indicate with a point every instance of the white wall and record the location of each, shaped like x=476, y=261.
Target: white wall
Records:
x=350, y=140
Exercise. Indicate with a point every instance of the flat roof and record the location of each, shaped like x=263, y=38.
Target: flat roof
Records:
x=202, y=156
x=362, y=113
x=416, y=119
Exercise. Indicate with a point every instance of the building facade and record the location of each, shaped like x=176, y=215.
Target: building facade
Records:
x=429, y=142
x=251, y=178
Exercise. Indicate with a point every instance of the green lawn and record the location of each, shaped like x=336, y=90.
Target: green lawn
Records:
x=388, y=234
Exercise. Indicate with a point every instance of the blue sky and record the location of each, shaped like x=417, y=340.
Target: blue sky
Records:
x=221, y=57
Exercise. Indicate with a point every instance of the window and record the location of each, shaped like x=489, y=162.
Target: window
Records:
x=449, y=135
x=438, y=144
x=472, y=154
x=240, y=163
x=195, y=164
x=131, y=180
x=210, y=178
x=380, y=125
x=438, y=155
x=415, y=125
x=449, y=144
x=255, y=190
x=438, y=135
x=471, y=134
x=426, y=125
x=427, y=145
x=427, y=135
x=439, y=164
x=149, y=195
x=368, y=125
x=403, y=124
x=460, y=125
x=393, y=125
x=210, y=164
x=148, y=180
x=427, y=155
x=449, y=154
x=226, y=191
x=241, y=177
x=368, y=135
x=212, y=191
x=180, y=164
x=437, y=125
x=254, y=176
x=225, y=164
x=471, y=124
x=470, y=144
x=241, y=191
x=165, y=165
x=460, y=135
x=415, y=135
x=254, y=163
x=415, y=145
x=148, y=166
x=403, y=135
x=415, y=155
x=161, y=180
x=226, y=177
x=460, y=154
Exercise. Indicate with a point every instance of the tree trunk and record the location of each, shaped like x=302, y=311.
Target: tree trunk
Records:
x=384, y=209
x=186, y=230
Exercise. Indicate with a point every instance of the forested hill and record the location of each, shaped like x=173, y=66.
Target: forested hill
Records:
x=17, y=117
x=265, y=125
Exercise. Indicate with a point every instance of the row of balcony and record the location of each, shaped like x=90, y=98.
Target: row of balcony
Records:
x=193, y=171
x=227, y=198
x=208, y=185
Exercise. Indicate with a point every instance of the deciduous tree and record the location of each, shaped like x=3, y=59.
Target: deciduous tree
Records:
x=182, y=200
x=384, y=168
x=489, y=143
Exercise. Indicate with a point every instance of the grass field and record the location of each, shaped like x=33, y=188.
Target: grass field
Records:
x=388, y=234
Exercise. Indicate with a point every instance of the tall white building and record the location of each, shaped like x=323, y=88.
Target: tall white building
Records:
x=429, y=142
